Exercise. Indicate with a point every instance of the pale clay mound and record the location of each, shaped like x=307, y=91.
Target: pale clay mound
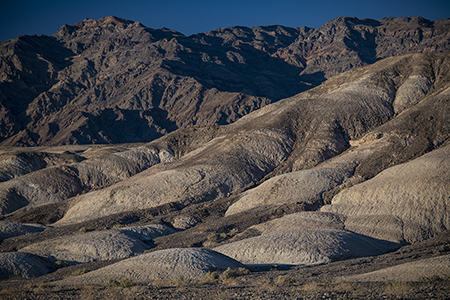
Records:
x=304, y=247
x=303, y=186
x=21, y=265
x=411, y=200
x=373, y=226
x=89, y=246
x=191, y=263
x=55, y=184
x=16, y=162
x=10, y=229
x=412, y=271
x=305, y=220
x=211, y=172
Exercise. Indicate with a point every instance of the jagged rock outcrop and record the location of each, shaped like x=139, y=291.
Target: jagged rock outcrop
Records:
x=113, y=80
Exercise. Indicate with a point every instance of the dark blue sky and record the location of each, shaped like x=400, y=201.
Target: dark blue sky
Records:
x=19, y=17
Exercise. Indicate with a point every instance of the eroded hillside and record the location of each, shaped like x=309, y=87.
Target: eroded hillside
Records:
x=116, y=81
x=356, y=167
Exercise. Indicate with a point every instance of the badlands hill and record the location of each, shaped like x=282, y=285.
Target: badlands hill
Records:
x=338, y=182
x=116, y=81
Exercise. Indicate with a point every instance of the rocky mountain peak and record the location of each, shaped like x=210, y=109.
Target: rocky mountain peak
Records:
x=105, y=22
x=156, y=80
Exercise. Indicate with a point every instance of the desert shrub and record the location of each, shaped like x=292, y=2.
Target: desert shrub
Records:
x=84, y=229
x=113, y=281
x=228, y=273
x=178, y=280
x=60, y=264
x=213, y=238
x=210, y=278
x=81, y=272
x=274, y=267
x=124, y=282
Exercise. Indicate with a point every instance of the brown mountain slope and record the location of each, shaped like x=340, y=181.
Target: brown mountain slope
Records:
x=114, y=80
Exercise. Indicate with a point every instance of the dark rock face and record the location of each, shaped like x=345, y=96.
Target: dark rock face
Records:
x=114, y=80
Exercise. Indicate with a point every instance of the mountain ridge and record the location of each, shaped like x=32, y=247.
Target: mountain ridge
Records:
x=118, y=81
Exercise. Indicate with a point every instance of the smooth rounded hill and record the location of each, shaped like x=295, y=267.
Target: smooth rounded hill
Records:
x=57, y=183
x=416, y=193
x=301, y=187
x=433, y=268
x=190, y=263
x=10, y=229
x=304, y=247
x=22, y=265
x=89, y=246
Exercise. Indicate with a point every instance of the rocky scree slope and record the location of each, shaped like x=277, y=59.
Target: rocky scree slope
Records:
x=115, y=81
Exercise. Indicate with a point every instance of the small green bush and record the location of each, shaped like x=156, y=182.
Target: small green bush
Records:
x=84, y=229
x=274, y=267
x=60, y=264
x=124, y=282
x=229, y=273
x=81, y=271
x=178, y=280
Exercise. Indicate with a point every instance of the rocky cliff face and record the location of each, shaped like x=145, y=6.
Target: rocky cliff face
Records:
x=114, y=80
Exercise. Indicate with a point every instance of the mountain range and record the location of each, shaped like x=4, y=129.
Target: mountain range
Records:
x=131, y=155
x=116, y=81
